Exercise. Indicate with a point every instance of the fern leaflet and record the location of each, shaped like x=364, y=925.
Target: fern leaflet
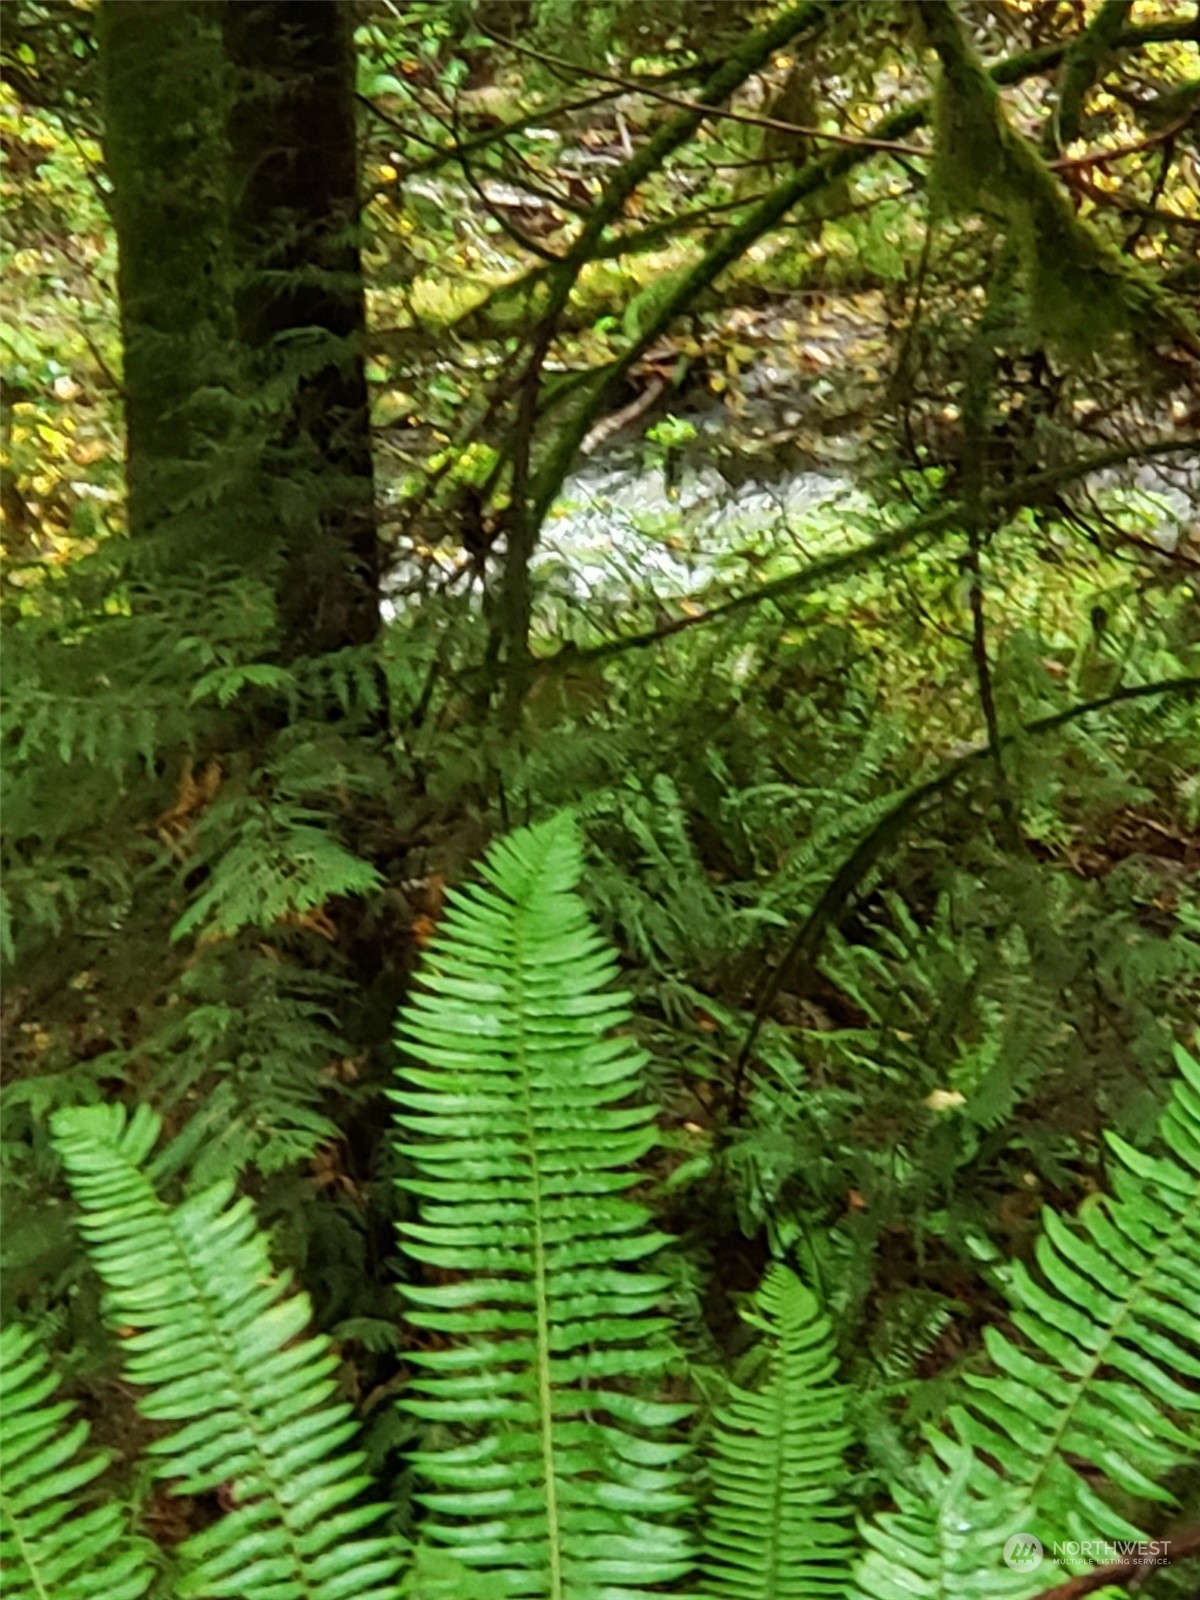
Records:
x=221, y=1350
x=563, y=1481
x=775, y=1528
x=1107, y=1373
x=50, y=1545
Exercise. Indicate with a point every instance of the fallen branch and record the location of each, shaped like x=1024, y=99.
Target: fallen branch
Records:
x=616, y=420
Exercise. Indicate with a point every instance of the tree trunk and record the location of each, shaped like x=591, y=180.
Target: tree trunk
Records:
x=163, y=88
x=300, y=306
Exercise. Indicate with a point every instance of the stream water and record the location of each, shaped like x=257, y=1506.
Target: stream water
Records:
x=623, y=527
x=764, y=473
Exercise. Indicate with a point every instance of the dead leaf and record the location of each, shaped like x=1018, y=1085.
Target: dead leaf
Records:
x=192, y=798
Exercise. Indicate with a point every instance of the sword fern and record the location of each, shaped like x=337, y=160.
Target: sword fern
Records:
x=521, y=1110
x=553, y=1467
x=51, y=1541
x=778, y=1528
x=211, y=1334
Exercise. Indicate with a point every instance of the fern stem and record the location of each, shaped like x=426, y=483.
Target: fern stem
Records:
x=542, y=1308
x=29, y=1561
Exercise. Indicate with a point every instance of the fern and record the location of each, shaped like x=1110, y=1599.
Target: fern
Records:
x=50, y=1544
x=219, y=1347
x=246, y=1060
x=282, y=862
x=549, y=1473
x=944, y=1540
x=775, y=1528
x=225, y=683
x=673, y=917
x=1108, y=1375
x=563, y=1481
x=1102, y=1389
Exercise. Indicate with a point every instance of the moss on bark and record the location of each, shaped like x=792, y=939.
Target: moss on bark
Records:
x=164, y=93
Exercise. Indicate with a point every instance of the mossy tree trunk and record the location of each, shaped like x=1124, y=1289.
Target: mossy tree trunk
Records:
x=231, y=147
x=300, y=305
x=163, y=88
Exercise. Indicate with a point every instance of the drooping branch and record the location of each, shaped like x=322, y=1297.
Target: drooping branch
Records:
x=1079, y=285
x=526, y=510
x=799, y=958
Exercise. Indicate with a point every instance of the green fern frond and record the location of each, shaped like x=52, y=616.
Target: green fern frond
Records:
x=776, y=1529
x=349, y=680
x=283, y=861
x=50, y=1544
x=1107, y=1378
x=523, y=1124
x=221, y=1350
x=225, y=683
x=244, y=1060
x=946, y=1542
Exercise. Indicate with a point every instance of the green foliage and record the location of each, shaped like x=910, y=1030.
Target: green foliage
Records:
x=98, y=673
x=1104, y=1379
x=203, y=745
x=245, y=1057
x=519, y=1123
x=129, y=699
x=942, y=1539
x=551, y=1469
x=218, y=1343
x=1099, y=1391
x=52, y=1541
x=275, y=861
x=776, y=1528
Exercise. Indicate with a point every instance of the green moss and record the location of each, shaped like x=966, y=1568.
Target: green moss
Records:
x=1081, y=290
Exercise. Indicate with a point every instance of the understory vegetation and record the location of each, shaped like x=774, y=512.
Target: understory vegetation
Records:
x=654, y=541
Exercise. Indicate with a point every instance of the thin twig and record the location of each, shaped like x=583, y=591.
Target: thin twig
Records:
x=902, y=380
x=1027, y=491
x=1156, y=190
x=981, y=369
x=1096, y=158
x=682, y=103
x=504, y=223
x=1123, y=1571
x=441, y=154
x=831, y=908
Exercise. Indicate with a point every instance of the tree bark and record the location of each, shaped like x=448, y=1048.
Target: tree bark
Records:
x=301, y=307
x=163, y=92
